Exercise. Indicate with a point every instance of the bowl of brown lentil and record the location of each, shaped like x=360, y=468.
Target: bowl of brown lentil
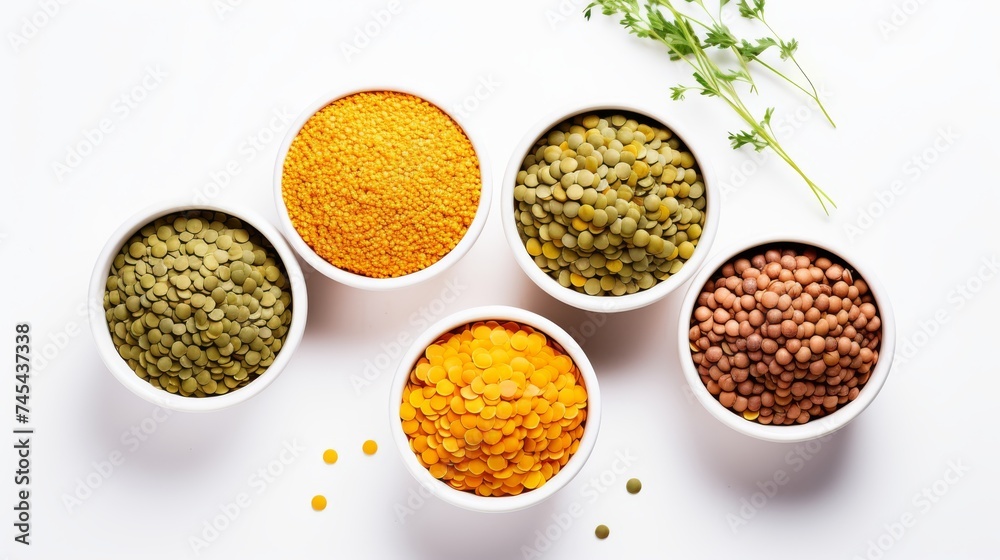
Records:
x=607, y=208
x=784, y=339
x=494, y=409
x=196, y=308
x=380, y=188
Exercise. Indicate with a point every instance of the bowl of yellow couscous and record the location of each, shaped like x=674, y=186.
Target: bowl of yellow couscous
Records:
x=380, y=188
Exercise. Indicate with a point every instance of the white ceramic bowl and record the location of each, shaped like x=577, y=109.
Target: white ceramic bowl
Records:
x=141, y=387
x=812, y=429
x=469, y=500
x=358, y=280
x=607, y=304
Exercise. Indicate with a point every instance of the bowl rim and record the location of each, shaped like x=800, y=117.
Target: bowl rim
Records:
x=816, y=428
x=608, y=304
x=463, y=246
x=120, y=369
x=488, y=504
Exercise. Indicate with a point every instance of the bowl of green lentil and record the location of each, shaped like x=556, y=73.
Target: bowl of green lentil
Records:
x=196, y=308
x=784, y=339
x=607, y=208
x=380, y=188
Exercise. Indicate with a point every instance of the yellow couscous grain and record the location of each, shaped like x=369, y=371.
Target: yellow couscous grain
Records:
x=381, y=184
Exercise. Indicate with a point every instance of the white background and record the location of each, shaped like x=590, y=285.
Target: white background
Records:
x=892, y=92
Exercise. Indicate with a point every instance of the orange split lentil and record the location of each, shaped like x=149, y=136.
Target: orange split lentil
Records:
x=319, y=502
x=330, y=456
x=494, y=409
x=381, y=183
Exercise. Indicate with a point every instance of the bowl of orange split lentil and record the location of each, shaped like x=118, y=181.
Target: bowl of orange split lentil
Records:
x=494, y=409
x=380, y=188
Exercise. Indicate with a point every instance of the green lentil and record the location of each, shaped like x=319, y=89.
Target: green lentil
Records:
x=633, y=486
x=173, y=311
x=602, y=532
x=615, y=186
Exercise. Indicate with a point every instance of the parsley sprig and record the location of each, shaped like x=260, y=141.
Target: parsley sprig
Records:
x=689, y=38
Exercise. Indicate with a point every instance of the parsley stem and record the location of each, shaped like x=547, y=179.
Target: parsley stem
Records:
x=791, y=56
x=737, y=105
x=679, y=36
x=792, y=82
x=739, y=56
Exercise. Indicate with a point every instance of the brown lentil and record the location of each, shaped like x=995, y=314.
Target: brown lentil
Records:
x=806, y=338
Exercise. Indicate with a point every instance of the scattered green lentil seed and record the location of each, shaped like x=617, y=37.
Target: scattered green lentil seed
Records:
x=602, y=532
x=634, y=485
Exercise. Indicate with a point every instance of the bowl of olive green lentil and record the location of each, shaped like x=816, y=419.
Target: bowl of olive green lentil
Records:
x=784, y=339
x=495, y=409
x=607, y=208
x=380, y=188
x=197, y=308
